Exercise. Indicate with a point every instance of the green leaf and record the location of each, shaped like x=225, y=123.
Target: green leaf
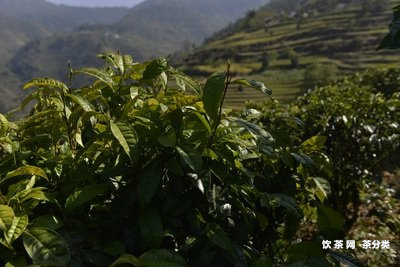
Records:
x=85, y=194
x=254, y=84
x=322, y=188
x=149, y=182
x=6, y=217
x=121, y=62
x=315, y=143
x=303, y=159
x=345, y=259
x=16, y=229
x=168, y=139
x=26, y=170
x=102, y=75
x=161, y=258
x=213, y=93
x=46, y=247
x=151, y=227
x=46, y=82
x=155, y=68
x=190, y=157
x=125, y=135
x=329, y=219
x=4, y=125
x=82, y=102
x=276, y=200
x=186, y=80
x=255, y=129
x=33, y=193
x=47, y=221
x=203, y=120
x=126, y=259
x=217, y=235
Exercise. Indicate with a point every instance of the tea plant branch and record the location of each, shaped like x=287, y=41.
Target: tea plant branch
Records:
x=218, y=121
x=66, y=121
x=70, y=74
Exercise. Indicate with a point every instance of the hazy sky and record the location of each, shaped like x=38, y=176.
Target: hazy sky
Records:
x=92, y=3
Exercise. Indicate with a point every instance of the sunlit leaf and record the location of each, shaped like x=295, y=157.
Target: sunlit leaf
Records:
x=213, y=93
x=83, y=195
x=125, y=135
x=99, y=74
x=46, y=247
x=16, y=229
x=26, y=170
x=6, y=217
x=82, y=102
x=125, y=259
x=46, y=82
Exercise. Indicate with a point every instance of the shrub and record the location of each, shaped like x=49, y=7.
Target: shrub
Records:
x=319, y=75
x=362, y=129
x=131, y=170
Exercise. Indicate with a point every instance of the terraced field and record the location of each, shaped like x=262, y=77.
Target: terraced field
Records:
x=344, y=36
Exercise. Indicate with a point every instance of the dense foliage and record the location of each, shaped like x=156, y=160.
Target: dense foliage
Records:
x=131, y=167
x=132, y=170
x=360, y=118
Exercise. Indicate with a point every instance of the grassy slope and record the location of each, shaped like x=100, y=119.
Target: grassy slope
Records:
x=342, y=37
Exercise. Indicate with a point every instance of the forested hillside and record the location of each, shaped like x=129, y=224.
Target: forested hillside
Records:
x=14, y=35
x=288, y=43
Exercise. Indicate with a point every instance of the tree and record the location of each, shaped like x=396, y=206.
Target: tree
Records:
x=265, y=61
x=292, y=55
x=318, y=74
x=392, y=39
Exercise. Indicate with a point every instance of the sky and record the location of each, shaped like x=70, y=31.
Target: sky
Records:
x=93, y=3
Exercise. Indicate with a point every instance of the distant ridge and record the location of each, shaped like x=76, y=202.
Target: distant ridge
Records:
x=59, y=17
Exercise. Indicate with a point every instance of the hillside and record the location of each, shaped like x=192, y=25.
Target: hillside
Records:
x=151, y=29
x=276, y=46
x=14, y=35
x=59, y=17
x=174, y=21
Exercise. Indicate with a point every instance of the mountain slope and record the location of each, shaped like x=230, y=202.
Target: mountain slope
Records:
x=276, y=46
x=183, y=19
x=151, y=29
x=13, y=35
x=59, y=17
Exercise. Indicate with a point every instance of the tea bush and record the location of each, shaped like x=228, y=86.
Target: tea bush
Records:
x=359, y=117
x=131, y=170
